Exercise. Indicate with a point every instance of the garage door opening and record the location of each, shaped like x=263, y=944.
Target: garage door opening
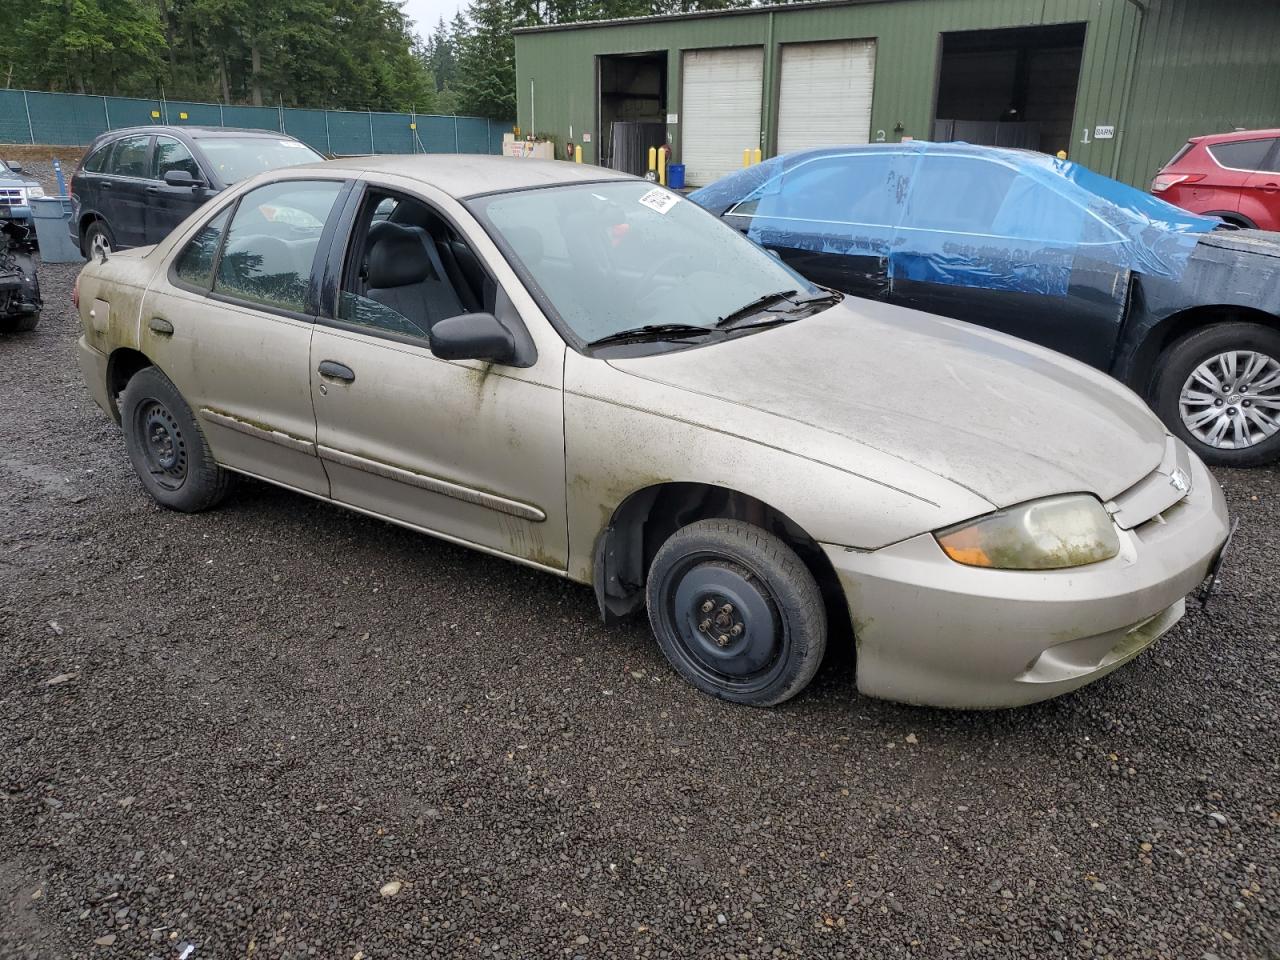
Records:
x=1010, y=88
x=633, y=107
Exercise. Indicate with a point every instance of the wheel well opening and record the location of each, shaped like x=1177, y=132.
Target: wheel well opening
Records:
x=1175, y=327
x=121, y=366
x=643, y=522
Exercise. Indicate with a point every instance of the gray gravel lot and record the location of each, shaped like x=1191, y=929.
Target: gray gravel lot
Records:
x=284, y=730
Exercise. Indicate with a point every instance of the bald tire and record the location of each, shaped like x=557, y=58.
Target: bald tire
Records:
x=766, y=564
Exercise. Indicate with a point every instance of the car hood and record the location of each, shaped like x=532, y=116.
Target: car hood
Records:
x=1264, y=243
x=1003, y=418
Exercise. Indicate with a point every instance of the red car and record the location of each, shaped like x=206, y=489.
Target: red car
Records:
x=1235, y=176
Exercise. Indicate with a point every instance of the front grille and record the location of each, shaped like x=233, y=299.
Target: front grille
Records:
x=12, y=195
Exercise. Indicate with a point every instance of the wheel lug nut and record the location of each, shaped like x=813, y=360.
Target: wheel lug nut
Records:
x=705, y=626
x=722, y=640
x=737, y=630
x=707, y=605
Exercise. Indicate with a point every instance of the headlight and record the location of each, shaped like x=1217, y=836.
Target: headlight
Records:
x=34, y=192
x=1048, y=534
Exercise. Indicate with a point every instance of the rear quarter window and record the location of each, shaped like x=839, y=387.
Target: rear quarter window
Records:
x=1242, y=154
x=96, y=160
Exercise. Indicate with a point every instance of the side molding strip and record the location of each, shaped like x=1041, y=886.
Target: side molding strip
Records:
x=445, y=488
x=271, y=435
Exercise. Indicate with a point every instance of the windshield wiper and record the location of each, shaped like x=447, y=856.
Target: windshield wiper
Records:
x=755, y=306
x=652, y=331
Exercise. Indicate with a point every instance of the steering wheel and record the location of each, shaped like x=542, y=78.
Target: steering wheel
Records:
x=641, y=291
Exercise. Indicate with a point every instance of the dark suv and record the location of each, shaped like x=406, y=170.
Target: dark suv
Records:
x=137, y=184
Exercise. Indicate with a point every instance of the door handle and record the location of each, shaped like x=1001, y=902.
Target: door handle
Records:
x=153, y=189
x=160, y=326
x=1270, y=187
x=332, y=370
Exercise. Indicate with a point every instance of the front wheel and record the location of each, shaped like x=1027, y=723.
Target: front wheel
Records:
x=22, y=323
x=736, y=612
x=1219, y=390
x=166, y=446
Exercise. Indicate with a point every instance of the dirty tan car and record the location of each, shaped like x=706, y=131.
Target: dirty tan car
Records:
x=585, y=373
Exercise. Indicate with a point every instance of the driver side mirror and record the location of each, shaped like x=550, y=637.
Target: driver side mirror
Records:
x=15, y=167
x=473, y=336
x=181, y=178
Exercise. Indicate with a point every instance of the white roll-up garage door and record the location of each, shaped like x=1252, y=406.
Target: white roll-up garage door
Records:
x=824, y=93
x=720, y=116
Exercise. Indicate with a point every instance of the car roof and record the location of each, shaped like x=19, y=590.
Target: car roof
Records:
x=194, y=132
x=463, y=175
x=1212, y=138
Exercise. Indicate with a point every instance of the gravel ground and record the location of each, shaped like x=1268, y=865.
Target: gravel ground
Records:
x=284, y=730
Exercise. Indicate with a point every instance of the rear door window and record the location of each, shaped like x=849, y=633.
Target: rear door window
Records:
x=130, y=157
x=1242, y=154
x=272, y=243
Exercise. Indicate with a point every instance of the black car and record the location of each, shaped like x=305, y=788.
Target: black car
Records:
x=20, y=301
x=138, y=183
x=1183, y=309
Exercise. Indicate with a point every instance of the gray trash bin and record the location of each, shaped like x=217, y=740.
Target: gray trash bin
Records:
x=52, y=215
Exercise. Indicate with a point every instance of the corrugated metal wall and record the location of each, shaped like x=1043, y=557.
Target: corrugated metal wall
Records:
x=1185, y=65
x=1203, y=66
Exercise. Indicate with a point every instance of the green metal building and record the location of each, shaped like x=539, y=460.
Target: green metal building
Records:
x=1118, y=84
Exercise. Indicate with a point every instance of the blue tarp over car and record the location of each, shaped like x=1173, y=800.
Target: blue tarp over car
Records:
x=1016, y=221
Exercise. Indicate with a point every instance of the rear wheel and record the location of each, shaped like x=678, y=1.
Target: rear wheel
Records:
x=1219, y=390
x=166, y=446
x=98, y=240
x=736, y=612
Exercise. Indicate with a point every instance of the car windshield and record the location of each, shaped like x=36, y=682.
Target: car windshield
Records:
x=624, y=255
x=238, y=158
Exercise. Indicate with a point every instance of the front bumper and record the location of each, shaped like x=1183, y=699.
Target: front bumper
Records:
x=933, y=631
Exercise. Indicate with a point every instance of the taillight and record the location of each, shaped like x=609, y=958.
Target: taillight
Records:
x=75, y=293
x=1164, y=181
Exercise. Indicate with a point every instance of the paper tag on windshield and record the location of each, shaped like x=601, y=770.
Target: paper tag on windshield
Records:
x=659, y=200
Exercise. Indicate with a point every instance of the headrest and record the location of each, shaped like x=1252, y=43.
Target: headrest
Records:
x=397, y=256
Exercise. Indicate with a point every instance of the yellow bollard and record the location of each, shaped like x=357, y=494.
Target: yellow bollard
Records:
x=746, y=158
x=1062, y=154
x=653, y=160
x=662, y=167
x=577, y=154
x=755, y=155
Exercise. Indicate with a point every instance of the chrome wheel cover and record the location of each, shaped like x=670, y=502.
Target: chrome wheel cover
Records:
x=99, y=245
x=1231, y=401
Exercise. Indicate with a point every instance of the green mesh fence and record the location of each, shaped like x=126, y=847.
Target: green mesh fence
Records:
x=71, y=119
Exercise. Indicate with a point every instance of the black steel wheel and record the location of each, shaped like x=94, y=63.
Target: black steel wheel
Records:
x=164, y=450
x=166, y=446
x=736, y=612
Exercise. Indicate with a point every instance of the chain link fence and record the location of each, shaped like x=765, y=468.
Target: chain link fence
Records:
x=72, y=119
